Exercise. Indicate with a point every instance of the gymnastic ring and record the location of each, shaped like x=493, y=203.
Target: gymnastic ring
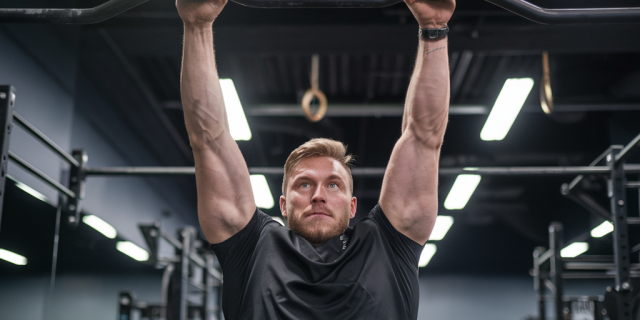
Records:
x=306, y=104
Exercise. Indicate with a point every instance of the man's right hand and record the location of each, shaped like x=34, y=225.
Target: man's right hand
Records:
x=199, y=12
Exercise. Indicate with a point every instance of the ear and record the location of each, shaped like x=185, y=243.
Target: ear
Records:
x=354, y=205
x=283, y=206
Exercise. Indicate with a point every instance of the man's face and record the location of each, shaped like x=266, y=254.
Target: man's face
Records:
x=318, y=202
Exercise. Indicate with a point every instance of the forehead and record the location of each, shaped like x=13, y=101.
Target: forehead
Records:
x=319, y=167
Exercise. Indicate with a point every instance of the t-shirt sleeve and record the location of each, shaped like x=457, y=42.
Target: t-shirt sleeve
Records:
x=407, y=250
x=237, y=250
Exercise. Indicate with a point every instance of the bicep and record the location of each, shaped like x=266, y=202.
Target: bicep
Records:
x=225, y=196
x=409, y=194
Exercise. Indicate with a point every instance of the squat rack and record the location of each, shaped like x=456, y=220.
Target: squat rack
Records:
x=191, y=270
x=621, y=302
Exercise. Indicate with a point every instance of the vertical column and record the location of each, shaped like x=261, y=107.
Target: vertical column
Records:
x=621, y=250
x=556, y=243
x=7, y=99
x=208, y=281
x=76, y=184
x=177, y=304
x=126, y=305
x=539, y=275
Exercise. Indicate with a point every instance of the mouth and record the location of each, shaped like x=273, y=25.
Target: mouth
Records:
x=318, y=214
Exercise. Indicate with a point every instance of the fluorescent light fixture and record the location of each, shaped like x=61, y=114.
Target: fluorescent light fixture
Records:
x=100, y=225
x=261, y=192
x=235, y=115
x=443, y=223
x=506, y=109
x=132, y=250
x=31, y=191
x=427, y=253
x=575, y=249
x=12, y=257
x=601, y=230
x=278, y=219
x=462, y=189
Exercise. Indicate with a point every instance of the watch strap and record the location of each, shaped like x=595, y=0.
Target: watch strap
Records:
x=434, y=33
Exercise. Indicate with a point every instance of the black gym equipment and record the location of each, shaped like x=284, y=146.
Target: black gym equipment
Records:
x=522, y=8
x=620, y=302
x=193, y=270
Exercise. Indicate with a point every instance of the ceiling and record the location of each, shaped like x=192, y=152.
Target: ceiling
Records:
x=366, y=59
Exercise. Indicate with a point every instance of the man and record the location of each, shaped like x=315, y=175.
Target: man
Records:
x=318, y=268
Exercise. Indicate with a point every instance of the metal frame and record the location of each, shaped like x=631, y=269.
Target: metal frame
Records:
x=7, y=99
x=97, y=14
x=523, y=8
x=193, y=269
x=569, y=16
x=75, y=190
x=549, y=267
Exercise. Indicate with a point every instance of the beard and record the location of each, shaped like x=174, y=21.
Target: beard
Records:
x=319, y=231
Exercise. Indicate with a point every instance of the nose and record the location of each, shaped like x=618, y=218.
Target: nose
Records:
x=318, y=195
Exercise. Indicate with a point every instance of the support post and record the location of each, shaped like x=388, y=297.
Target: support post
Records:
x=208, y=281
x=126, y=305
x=539, y=275
x=151, y=234
x=621, y=251
x=177, y=304
x=556, y=243
x=77, y=180
x=7, y=99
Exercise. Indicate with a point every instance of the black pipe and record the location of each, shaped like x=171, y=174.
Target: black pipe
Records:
x=40, y=175
x=376, y=171
x=569, y=16
x=44, y=139
x=97, y=14
x=316, y=3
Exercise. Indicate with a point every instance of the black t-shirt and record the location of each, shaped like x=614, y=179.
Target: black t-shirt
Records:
x=369, y=272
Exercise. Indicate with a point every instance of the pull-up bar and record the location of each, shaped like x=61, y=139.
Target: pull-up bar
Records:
x=522, y=8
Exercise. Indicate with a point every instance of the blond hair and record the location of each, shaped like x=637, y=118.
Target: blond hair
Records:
x=319, y=147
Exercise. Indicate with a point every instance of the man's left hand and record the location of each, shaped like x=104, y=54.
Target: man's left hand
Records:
x=432, y=13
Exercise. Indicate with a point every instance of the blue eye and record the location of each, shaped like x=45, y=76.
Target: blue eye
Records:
x=333, y=185
x=304, y=185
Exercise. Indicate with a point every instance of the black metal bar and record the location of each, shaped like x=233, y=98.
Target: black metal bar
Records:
x=375, y=171
x=589, y=258
x=574, y=182
x=596, y=266
x=39, y=174
x=76, y=184
x=617, y=195
x=125, y=311
x=569, y=16
x=624, y=152
x=7, y=100
x=633, y=184
x=556, y=243
x=97, y=14
x=44, y=139
x=316, y=3
x=588, y=203
x=539, y=275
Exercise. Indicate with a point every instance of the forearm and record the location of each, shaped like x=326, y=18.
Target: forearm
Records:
x=202, y=100
x=427, y=103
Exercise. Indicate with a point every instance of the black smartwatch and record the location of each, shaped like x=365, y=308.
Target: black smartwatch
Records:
x=434, y=34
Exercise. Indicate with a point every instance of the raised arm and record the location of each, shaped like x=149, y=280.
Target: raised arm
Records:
x=409, y=194
x=225, y=197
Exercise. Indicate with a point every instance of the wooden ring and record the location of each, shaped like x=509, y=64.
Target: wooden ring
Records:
x=306, y=104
